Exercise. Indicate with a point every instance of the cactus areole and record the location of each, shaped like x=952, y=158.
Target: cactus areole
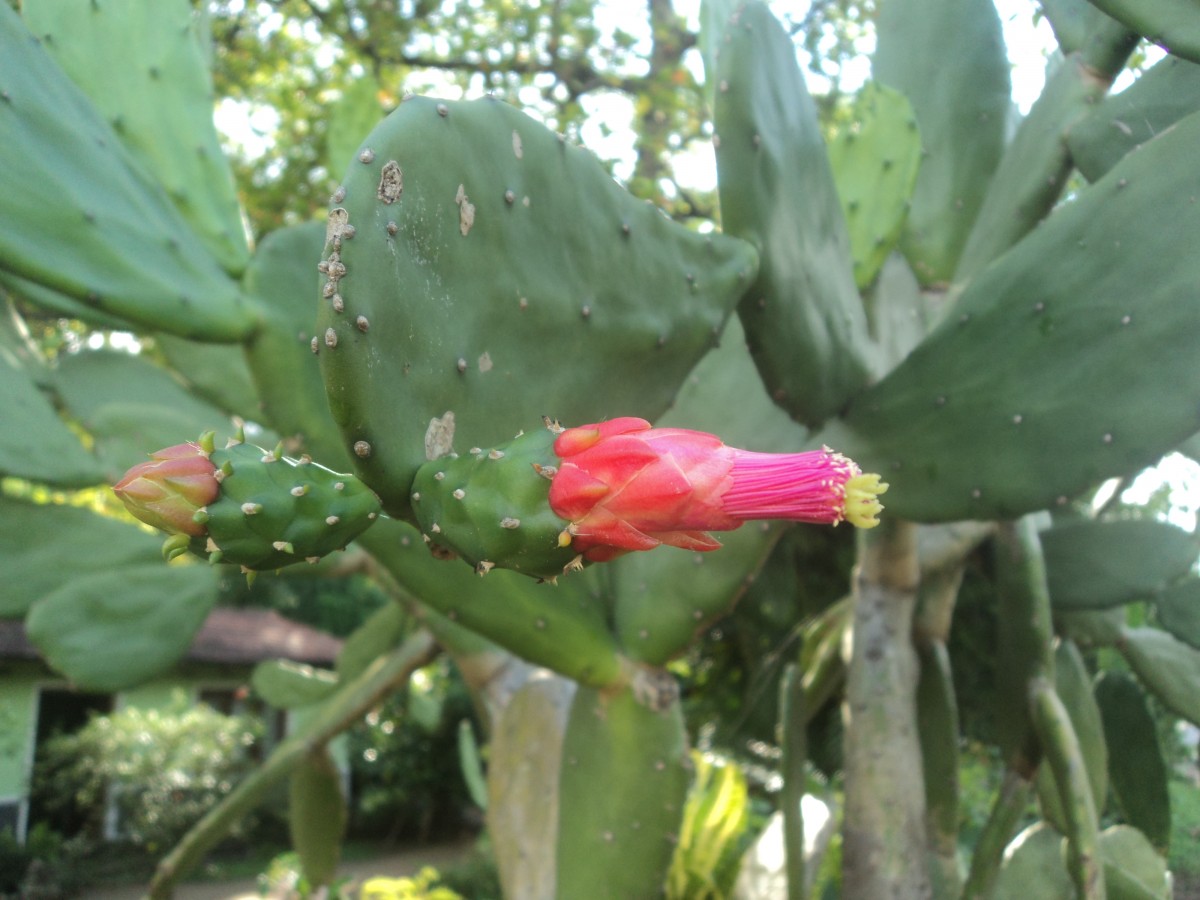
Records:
x=549, y=501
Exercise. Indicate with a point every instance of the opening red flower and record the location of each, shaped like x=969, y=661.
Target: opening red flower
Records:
x=624, y=485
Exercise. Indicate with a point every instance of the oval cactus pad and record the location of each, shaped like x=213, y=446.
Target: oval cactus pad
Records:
x=479, y=265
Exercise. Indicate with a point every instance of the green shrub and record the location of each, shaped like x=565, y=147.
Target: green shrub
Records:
x=163, y=769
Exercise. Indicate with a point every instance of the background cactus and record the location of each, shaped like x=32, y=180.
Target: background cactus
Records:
x=477, y=272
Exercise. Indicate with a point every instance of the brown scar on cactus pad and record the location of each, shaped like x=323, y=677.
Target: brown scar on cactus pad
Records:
x=391, y=182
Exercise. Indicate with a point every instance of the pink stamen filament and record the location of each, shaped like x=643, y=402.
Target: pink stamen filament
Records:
x=802, y=487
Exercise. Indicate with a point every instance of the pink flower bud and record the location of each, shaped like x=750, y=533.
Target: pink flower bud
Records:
x=624, y=485
x=167, y=491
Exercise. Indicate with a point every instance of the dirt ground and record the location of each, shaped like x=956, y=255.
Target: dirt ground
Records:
x=403, y=862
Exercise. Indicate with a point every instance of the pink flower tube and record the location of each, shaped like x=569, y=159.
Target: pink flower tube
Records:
x=624, y=485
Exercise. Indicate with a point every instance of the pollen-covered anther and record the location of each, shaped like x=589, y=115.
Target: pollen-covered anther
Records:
x=251, y=509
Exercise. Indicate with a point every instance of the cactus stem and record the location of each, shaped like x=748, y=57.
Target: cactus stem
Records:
x=200, y=516
x=208, y=443
x=215, y=557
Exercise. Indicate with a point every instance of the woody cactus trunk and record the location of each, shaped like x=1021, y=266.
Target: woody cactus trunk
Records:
x=565, y=405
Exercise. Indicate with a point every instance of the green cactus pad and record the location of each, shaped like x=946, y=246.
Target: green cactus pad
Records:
x=948, y=58
x=1050, y=374
x=478, y=264
x=875, y=155
x=622, y=786
x=491, y=507
x=32, y=541
x=1163, y=95
x=561, y=626
x=106, y=632
x=1073, y=683
x=274, y=511
x=803, y=317
x=1097, y=565
x=144, y=68
x=1034, y=168
x=80, y=216
x=31, y=421
x=1172, y=24
x=1135, y=762
x=1168, y=667
x=280, y=357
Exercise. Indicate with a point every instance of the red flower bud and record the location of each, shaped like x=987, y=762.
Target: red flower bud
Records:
x=624, y=485
x=167, y=491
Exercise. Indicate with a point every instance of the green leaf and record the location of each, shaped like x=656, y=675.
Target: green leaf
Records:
x=109, y=631
x=46, y=546
x=1168, y=667
x=286, y=684
x=1098, y=565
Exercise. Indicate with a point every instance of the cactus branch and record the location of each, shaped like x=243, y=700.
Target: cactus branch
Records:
x=340, y=711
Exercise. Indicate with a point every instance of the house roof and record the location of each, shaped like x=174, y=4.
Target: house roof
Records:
x=229, y=636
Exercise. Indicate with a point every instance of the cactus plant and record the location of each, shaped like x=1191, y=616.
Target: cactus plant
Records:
x=993, y=352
